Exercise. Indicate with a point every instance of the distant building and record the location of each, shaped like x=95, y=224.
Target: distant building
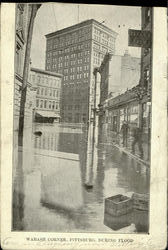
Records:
x=118, y=73
x=48, y=94
x=75, y=52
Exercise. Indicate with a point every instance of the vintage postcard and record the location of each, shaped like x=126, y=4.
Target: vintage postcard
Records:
x=83, y=126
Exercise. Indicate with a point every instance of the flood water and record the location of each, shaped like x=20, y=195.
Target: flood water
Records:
x=55, y=170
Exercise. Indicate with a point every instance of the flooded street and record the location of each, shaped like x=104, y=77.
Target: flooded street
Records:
x=55, y=171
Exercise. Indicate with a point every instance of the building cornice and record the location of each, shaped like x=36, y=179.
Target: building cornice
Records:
x=45, y=72
x=79, y=25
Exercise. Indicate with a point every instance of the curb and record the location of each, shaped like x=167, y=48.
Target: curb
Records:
x=147, y=163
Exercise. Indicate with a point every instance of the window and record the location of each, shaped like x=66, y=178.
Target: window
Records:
x=73, y=62
x=41, y=104
x=38, y=79
x=79, y=61
x=49, y=106
x=86, y=59
x=38, y=91
x=45, y=104
x=45, y=91
x=37, y=102
x=53, y=105
x=66, y=63
x=42, y=91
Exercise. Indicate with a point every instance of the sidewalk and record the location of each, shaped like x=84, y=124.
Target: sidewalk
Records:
x=117, y=141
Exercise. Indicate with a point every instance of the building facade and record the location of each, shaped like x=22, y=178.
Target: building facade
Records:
x=75, y=52
x=146, y=70
x=118, y=73
x=48, y=95
x=23, y=12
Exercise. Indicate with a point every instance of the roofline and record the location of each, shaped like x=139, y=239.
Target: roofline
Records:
x=89, y=21
x=46, y=72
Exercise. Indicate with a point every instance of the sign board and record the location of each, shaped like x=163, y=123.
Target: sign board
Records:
x=139, y=38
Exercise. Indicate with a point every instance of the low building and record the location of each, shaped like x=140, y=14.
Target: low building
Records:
x=48, y=94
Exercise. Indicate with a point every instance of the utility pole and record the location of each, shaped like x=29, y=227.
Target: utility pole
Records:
x=34, y=8
x=78, y=13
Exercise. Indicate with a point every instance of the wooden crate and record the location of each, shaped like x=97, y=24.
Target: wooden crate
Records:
x=118, y=222
x=118, y=205
x=140, y=201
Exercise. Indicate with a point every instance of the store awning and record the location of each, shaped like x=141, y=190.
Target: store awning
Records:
x=47, y=114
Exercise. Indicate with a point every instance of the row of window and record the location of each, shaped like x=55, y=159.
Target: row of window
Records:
x=66, y=57
x=60, y=43
x=70, y=49
x=103, y=49
x=78, y=69
x=99, y=33
x=45, y=80
x=67, y=63
x=48, y=92
x=77, y=76
x=45, y=104
x=73, y=84
x=77, y=36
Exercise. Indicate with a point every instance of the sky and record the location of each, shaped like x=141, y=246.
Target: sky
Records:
x=55, y=16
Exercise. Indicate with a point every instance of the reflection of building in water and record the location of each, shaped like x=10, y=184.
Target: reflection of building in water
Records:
x=48, y=92
x=69, y=142
x=48, y=141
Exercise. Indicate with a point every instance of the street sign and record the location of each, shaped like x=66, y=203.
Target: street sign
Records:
x=139, y=38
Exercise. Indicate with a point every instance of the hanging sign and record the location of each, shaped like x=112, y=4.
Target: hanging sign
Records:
x=139, y=38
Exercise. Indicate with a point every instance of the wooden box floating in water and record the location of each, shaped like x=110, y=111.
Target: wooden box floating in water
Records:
x=118, y=205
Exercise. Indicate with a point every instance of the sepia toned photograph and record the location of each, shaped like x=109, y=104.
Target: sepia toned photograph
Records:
x=82, y=118
x=83, y=126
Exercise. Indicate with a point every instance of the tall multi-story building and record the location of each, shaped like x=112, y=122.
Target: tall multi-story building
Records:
x=48, y=94
x=75, y=52
x=118, y=73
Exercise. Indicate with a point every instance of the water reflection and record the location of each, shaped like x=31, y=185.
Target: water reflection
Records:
x=57, y=171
